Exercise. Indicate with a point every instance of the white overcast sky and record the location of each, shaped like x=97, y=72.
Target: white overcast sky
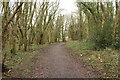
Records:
x=69, y=6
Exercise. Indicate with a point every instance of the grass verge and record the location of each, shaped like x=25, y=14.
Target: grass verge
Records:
x=104, y=61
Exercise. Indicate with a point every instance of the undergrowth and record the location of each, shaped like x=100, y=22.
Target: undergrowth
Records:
x=105, y=61
x=13, y=61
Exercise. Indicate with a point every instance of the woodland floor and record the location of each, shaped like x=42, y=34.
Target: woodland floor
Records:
x=56, y=61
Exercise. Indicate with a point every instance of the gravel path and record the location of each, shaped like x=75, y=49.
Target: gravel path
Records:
x=56, y=62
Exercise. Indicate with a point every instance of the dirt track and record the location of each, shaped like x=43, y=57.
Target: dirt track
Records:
x=56, y=62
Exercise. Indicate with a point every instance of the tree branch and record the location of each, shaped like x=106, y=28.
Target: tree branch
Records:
x=11, y=18
x=91, y=11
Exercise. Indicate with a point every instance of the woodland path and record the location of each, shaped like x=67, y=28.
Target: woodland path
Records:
x=57, y=62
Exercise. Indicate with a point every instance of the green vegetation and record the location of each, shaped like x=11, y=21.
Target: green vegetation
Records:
x=95, y=26
x=105, y=61
x=97, y=22
x=25, y=24
x=21, y=57
x=22, y=61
